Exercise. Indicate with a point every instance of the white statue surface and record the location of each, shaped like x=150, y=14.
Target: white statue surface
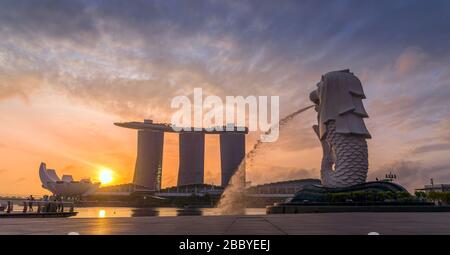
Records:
x=341, y=129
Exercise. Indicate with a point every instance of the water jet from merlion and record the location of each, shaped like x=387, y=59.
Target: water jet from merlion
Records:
x=233, y=200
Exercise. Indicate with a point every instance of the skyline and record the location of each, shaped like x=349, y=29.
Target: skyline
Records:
x=64, y=82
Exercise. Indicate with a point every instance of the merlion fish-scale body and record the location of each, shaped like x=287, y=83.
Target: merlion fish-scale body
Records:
x=341, y=129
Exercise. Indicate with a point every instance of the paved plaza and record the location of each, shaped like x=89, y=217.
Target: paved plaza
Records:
x=288, y=224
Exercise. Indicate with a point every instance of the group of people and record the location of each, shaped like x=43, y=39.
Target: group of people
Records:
x=45, y=204
x=53, y=204
x=8, y=207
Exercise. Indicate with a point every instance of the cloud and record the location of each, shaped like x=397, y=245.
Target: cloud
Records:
x=410, y=60
x=432, y=148
x=21, y=179
x=125, y=58
x=22, y=86
x=36, y=21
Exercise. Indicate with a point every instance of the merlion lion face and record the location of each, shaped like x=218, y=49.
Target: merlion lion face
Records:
x=314, y=97
x=338, y=98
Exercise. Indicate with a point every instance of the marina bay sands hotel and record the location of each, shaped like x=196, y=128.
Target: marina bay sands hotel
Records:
x=148, y=170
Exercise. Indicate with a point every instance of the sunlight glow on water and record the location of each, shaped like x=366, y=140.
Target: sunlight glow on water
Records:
x=101, y=213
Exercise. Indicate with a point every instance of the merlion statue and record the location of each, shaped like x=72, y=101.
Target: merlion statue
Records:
x=341, y=129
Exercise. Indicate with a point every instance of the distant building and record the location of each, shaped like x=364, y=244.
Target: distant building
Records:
x=66, y=186
x=148, y=170
x=282, y=187
x=286, y=188
x=120, y=189
x=232, y=152
x=175, y=191
x=192, y=158
x=191, y=189
x=435, y=188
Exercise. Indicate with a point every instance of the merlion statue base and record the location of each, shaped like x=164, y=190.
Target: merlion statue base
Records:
x=379, y=196
x=316, y=193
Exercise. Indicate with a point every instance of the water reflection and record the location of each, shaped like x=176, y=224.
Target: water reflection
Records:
x=189, y=211
x=112, y=212
x=143, y=212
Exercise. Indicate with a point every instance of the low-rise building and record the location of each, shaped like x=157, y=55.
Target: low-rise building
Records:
x=435, y=188
x=282, y=187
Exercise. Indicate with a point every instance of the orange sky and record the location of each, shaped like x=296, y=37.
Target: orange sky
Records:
x=77, y=140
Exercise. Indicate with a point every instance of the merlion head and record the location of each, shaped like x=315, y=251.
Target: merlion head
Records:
x=339, y=97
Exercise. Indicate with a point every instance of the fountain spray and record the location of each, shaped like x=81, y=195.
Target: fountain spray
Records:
x=233, y=200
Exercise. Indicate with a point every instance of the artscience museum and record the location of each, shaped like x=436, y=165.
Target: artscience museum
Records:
x=65, y=186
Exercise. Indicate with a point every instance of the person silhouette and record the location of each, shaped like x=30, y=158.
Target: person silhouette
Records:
x=30, y=203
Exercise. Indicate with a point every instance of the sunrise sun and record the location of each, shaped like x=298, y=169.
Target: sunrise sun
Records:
x=106, y=175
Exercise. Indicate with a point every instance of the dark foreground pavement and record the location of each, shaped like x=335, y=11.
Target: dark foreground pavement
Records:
x=287, y=224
